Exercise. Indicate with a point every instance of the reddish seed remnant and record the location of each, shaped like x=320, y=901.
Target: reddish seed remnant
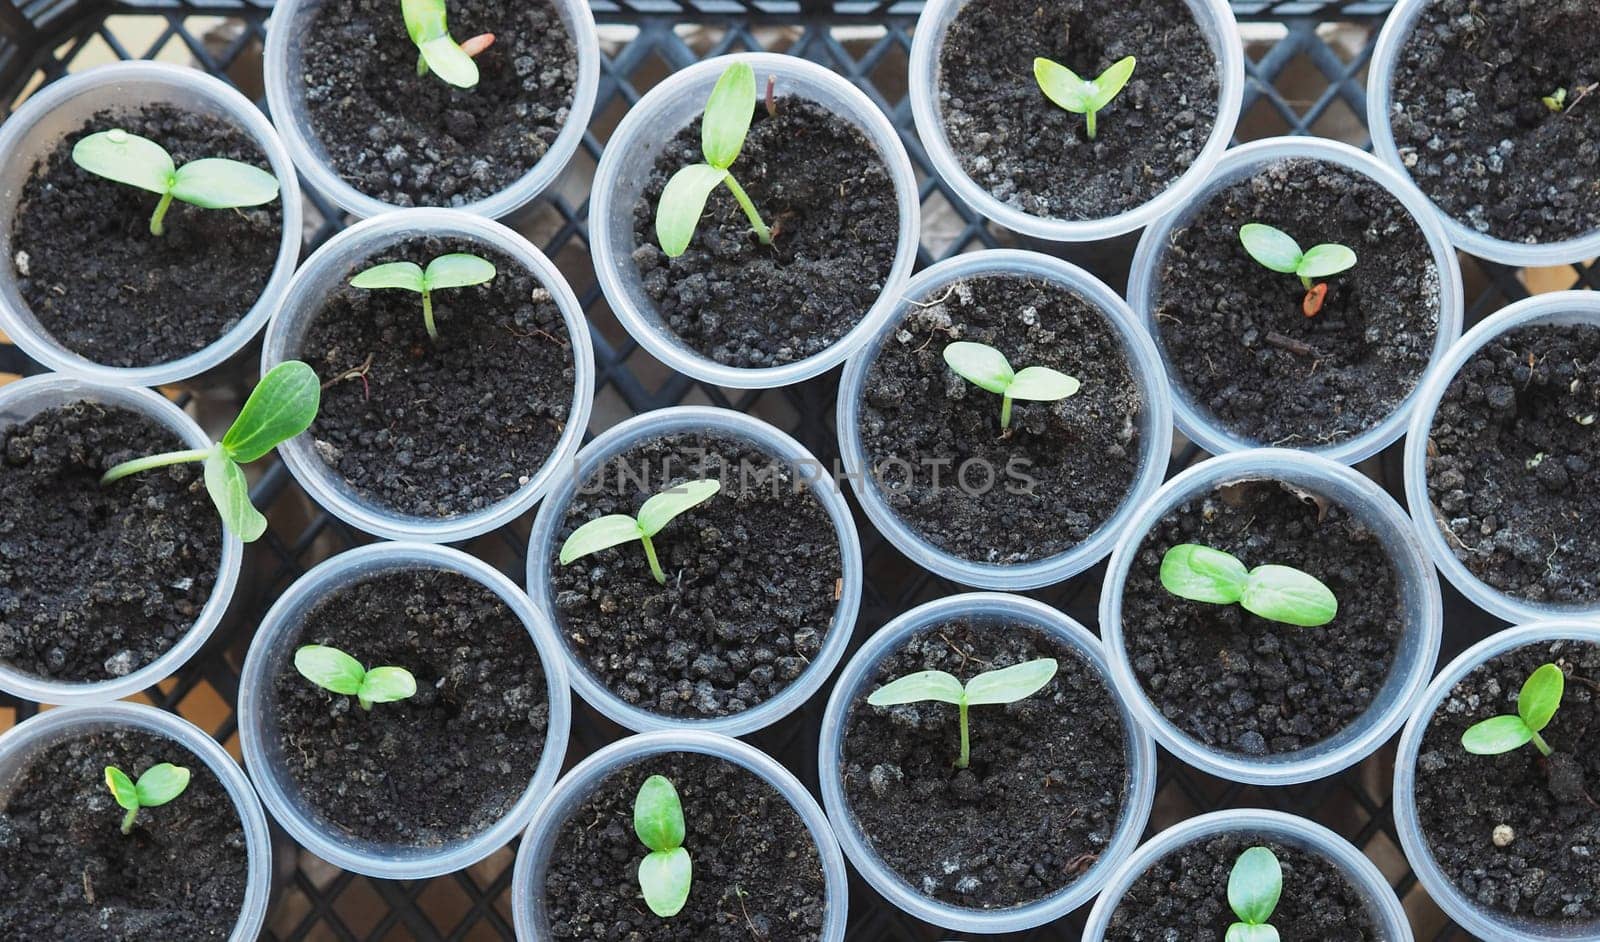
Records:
x=1312, y=304
x=477, y=44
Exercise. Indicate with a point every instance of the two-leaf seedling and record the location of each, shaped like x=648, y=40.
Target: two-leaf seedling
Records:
x=1277, y=250
x=722, y=133
x=332, y=669
x=987, y=368
x=282, y=406
x=1082, y=96
x=157, y=786
x=209, y=183
x=459, y=270
x=1005, y=685
x=1537, y=702
x=666, y=872
x=1279, y=593
x=656, y=512
x=1253, y=890
x=427, y=22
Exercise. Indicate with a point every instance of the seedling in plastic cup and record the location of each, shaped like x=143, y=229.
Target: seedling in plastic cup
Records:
x=459, y=270
x=1004, y=685
x=209, y=183
x=722, y=132
x=987, y=368
x=656, y=512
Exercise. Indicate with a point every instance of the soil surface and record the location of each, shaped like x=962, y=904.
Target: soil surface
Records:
x=439, y=428
x=1514, y=464
x=757, y=873
x=1036, y=157
x=753, y=576
x=96, y=582
x=934, y=442
x=415, y=140
x=105, y=288
x=822, y=187
x=1184, y=895
x=1548, y=870
x=1241, y=683
x=1470, y=124
x=67, y=872
x=1041, y=798
x=1235, y=334
x=472, y=734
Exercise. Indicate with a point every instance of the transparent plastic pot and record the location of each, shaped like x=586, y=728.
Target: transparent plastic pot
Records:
x=327, y=272
x=1380, y=103
x=272, y=652
x=1155, y=420
x=1216, y=21
x=1140, y=757
x=1557, y=308
x=283, y=75
x=1417, y=649
x=60, y=109
x=528, y=905
x=1193, y=418
x=631, y=154
x=542, y=549
x=26, y=398
x=21, y=744
x=1483, y=923
x=1383, y=908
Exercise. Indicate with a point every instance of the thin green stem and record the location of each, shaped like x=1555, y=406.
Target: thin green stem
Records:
x=762, y=232
x=1306, y=282
x=1005, y=411
x=1543, y=746
x=1088, y=117
x=966, y=751
x=127, y=820
x=655, y=564
x=160, y=215
x=427, y=313
x=126, y=468
x=365, y=703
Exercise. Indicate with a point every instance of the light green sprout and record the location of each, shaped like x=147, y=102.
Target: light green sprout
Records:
x=1279, y=593
x=1082, y=96
x=1005, y=685
x=722, y=132
x=1537, y=702
x=459, y=270
x=1276, y=250
x=987, y=368
x=656, y=512
x=157, y=786
x=332, y=669
x=666, y=872
x=1254, y=887
x=209, y=183
x=427, y=23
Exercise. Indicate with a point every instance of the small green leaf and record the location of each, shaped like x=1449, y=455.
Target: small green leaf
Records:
x=126, y=158
x=727, y=119
x=1287, y=595
x=122, y=788
x=404, y=275
x=1110, y=82
x=458, y=271
x=658, y=814
x=661, y=508
x=449, y=61
x=1010, y=684
x=330, y=669
x=1496, y=735
x=664, y=876
x=1063, y=86
x=1041, y=384
x=216, y=183
x=162, y=783
x=1202, y=574
x=230, y=492
x=283, y=405
x=1329, y=258
x=1540, y=696
x=682, y=202
x=425, y=19
x=1240, y=932
x=386, y=685
x=1271, y=247
x=598, y=534
x=981, y=365
x=914, y=688
x=1255, y=885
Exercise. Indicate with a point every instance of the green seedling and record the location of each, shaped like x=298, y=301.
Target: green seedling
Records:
x=1253, y=890
x=722, y=133
x=1082, y=96
x=282, y=406
x=1277, y=250
x=332, y=669
x=447, y=271
x=427, y=22
x=666, y=872
x=987, y=368
x=1005, y=685
x=209, y=183
x=656, y=512
x=1556, y=101
x=157, y=786
x=1279, y=593
x=1536, y=706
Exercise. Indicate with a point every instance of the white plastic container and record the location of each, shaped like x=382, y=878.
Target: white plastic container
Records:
x=1140, y=757
x=1559, y=307
x=1287, y=829
x=1380, y=103
x=533, y=859
x=21, y=744
x=24, y=399
x=327, y=272
x=1155, y=419
x=620, y=438
x=272, y=651
x=631, y=154
x=1215, y=19
x=283, y=72
x=1481, y=922
x=62, y=108
x=1417, y=649
x=1193, y=418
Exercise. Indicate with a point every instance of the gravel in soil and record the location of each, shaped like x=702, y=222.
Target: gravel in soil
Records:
x=752, y=580
x=1514, y=464
x=67, y=872
x=102, y=286
x=823, y=189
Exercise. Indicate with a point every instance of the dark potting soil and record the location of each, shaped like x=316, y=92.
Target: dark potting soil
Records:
x=67, y=872
x=414, y=140
x=1042, y=795
x=1241, y=683
x=1549, y=869
x=1514, y=464
x=97, y=582
x=1184, y=895
x=1038, y=158
x=438, y=428
x=826, y=193
x=753, y=576
x=105, y=288
x=757, y=873
x=1470, y=124
x=934, y=442
x=1234, y=330
x=444, y=764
